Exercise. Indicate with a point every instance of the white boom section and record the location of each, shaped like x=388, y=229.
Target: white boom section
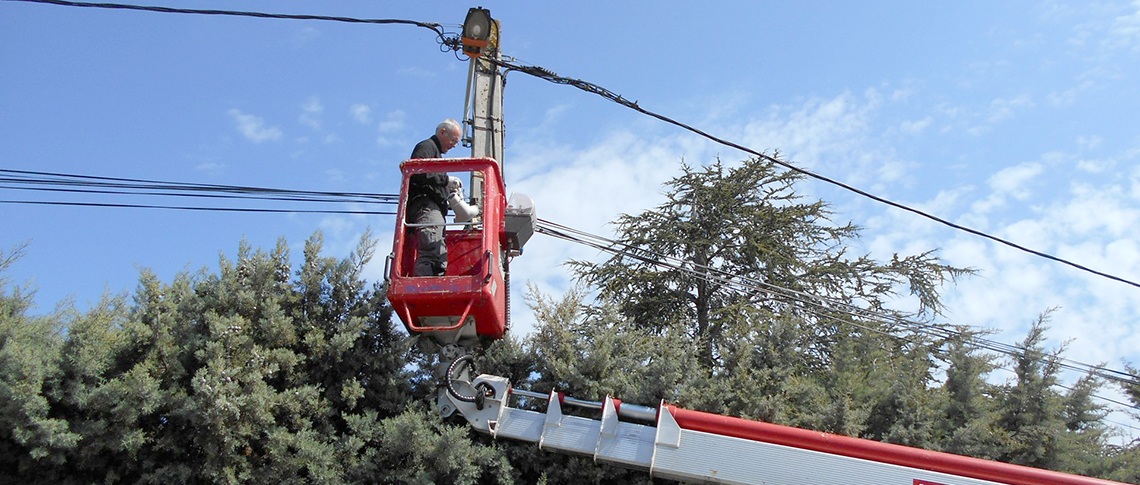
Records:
x=668, y=450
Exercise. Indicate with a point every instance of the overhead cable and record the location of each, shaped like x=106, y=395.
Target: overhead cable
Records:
x=437, y=28
x=59, y=183
x=3, y=185
x=195, y=208
x=51, y=181
x=589, y=87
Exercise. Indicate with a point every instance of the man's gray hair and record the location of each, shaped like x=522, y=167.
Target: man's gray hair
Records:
x=449, y=124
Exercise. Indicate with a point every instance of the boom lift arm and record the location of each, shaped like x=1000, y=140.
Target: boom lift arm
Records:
x=680, y=444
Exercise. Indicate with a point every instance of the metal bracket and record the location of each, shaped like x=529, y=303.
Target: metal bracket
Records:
x=668, y=431
x=553, y=418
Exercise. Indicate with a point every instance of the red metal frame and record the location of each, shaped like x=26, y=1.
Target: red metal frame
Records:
x=473, y=285
x=958, y=465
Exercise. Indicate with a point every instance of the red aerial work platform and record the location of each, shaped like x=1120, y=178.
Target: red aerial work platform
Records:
x=474, y=287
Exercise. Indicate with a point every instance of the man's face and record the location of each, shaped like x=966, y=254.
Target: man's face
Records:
x=447, y=140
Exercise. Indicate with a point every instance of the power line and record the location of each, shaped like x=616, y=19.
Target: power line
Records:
x=175, y=194
x=54, y=182
x=195, y=208
x=437, y=28
x=45, y=181
x=1108, y=399
x=545, y=74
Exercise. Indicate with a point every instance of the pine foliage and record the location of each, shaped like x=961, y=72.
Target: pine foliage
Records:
x=250, y=375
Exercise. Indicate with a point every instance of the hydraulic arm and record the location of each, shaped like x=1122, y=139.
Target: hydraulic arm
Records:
x=680, y=444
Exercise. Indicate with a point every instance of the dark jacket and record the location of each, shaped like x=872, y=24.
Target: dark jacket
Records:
x=430, y=185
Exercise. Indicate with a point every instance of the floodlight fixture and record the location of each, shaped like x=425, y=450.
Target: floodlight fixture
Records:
x=477, y=29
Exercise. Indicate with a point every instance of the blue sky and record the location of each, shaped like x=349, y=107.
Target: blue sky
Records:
x=1017, y=118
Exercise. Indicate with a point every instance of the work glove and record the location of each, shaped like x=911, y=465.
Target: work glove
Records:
x=454, y=184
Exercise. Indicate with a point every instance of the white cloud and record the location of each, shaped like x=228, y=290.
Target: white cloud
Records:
x=1093, y=227
x=253, y=127
x=393, y=122
x=313, y=105
x=982, y=208
x=341, y=231
x=830, y=135
x=998, y=111
x=361, y=113
x=1094, y=212
x=1069, y=97
x=213, y=168
x=390, y=129
x=916, y=126
x=1004, y=109
x=1125, y=29
x=1097, y=314
x=980, y=130
x=1029, y=232
x=586, y=189
x=311, y=113
x=1090, y=141
x=891, y=170
x=1096, y=166
x=1107, y=42
x=1012, y=181
x=902, y=94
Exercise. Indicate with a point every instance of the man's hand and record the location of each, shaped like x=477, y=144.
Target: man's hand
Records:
x=454, y=184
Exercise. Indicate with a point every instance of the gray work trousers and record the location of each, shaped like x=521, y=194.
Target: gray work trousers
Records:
x=431, y=259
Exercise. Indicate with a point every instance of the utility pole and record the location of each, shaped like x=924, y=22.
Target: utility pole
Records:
x=483, y=132
x=483, y=107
